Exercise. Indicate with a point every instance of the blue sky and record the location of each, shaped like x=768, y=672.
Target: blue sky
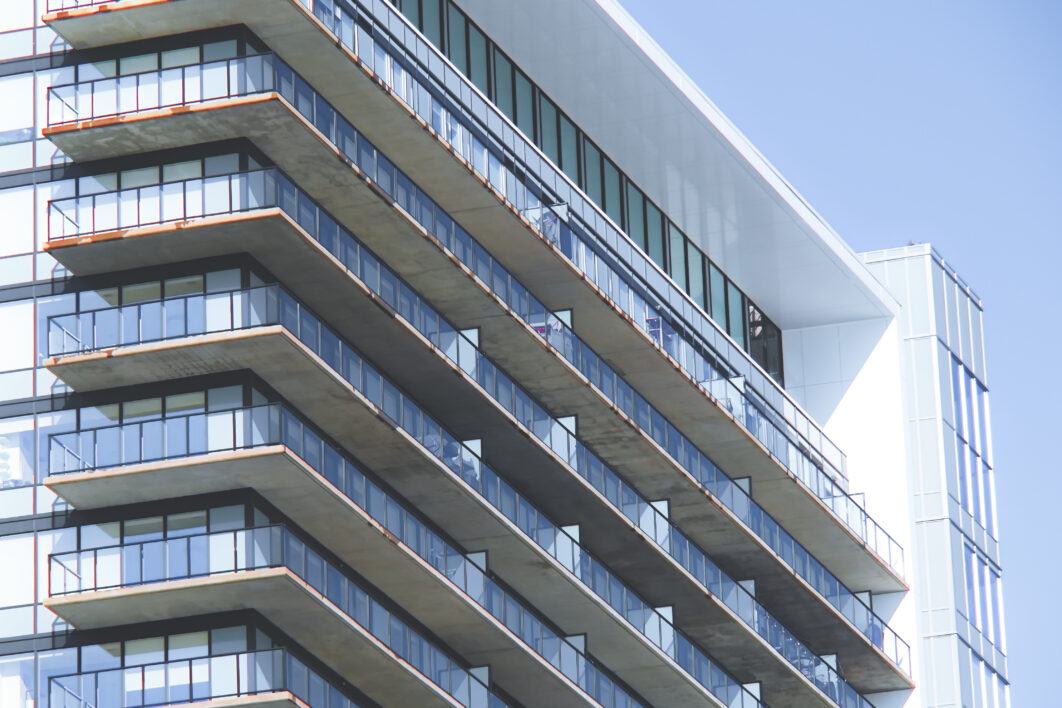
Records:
x=927, y=121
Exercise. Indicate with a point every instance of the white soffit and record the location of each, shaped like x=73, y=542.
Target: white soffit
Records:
x=646, y=114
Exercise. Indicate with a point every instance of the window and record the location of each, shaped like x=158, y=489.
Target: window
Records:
x=613, y=202
x=654, y=234
x=695, y=265
x=677, y=259
x=592, y=171
x=969, y=563
x=547, y=127
x=996, y=592
x=636, y=216
x=16, y=122
x=525, y=109
x=431, y=24
x=569, y=150
x=717, y=286
x=477, y=59
x=765, y=345
x=961, y=456
x=17, y=207
x=457, y=48
x=503, y=83
x=16, y=452
x=735, y=314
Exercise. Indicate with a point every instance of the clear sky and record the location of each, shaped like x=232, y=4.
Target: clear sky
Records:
x=928, y=120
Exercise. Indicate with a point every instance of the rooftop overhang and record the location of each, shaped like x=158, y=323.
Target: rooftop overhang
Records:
x=646, y=114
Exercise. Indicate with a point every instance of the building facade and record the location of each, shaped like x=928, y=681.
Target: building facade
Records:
x=442, y=353
x=956, y=575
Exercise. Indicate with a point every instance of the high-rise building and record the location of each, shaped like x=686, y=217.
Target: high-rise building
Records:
x=455, y=352
x=955, y=576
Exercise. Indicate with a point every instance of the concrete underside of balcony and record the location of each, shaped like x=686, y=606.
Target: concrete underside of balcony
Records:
x=311, y=387
x=320, y=169
x=318, y=278
x=309, y=500
x=277, y=699
x=321, y=281
x=299, y=38
x=296, y=608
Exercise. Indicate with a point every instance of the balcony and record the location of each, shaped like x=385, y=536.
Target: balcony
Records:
x=782, y=492
x=270, y=570
x=318, y=373
x=157, y=224
x=271, y=678
x=679, y=576
x=773, y=422
x=271, y=450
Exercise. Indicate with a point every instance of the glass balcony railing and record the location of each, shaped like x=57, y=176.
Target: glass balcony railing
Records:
x=228, y=311
x=271, y=188
x=57, y=5
x=162, y=203
x=205, y=678
x=177, y=86
x=453, y=344
x=167, y=438
x=177, y=437
x=206, y=554
x=265, y=72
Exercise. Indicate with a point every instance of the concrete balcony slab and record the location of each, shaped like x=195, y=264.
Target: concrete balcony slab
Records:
x=273, y=237
x=359, y=540
x=421, y=478
x=277, y=593
x=385, y=119
x=278, y=699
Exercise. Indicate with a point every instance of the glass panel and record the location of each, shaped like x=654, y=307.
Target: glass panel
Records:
x=187, y=646
x=569, y=149
x=717, y=283
x=524, y=106
x=431, y=21
x=477, y=59
x=654, y=234
x=144, y=651
x=592, y=171
x=187, y=285
x=186, y=523
x=613, y=203
x=547, y=128
x=735, y=314
x=635, y=216
x=175, y=172
x=676, y=259
x=503, y=83
x=456, y=47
